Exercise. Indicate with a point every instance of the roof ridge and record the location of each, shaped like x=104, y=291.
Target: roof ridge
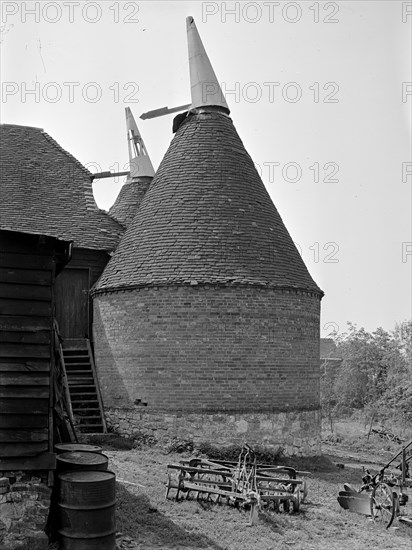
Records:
x=21, y=126
x=87, y=187
x=46, y=190
x=60, y=148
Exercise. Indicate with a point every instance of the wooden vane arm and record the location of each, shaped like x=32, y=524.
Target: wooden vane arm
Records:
x=100, y=175
x=163, y=111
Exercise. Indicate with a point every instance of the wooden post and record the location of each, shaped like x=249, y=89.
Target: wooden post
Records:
x=97, y=386
x=66, y=386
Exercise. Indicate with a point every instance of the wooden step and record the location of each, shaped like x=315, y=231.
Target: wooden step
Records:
x=78, y=371
x=94, y=426
x=84, y=396
x=89, y=408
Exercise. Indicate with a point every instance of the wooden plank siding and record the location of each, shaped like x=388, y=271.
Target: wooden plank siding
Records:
x=94, y=261
x=27, y=269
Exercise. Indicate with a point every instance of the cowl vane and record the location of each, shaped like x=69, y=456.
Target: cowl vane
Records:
x=205, y=88
x=140, y=163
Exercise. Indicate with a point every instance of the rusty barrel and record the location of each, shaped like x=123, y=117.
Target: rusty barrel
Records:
x=81, y=460
x=70, y=447
x=86, y=505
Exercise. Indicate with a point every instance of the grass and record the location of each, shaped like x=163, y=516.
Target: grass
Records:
x=151, y=522
x=109, y=441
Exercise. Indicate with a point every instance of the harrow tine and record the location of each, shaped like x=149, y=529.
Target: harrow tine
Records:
x=254, y=513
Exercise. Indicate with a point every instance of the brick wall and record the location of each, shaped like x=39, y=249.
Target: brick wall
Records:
x=233, y=349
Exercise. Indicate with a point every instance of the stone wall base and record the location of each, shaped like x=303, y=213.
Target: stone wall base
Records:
x=24, y=509
x=297, y=433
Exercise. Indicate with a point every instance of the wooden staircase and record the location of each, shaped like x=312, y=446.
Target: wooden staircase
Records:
x=83, y=385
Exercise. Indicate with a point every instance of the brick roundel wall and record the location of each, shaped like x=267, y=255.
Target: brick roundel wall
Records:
x=209, y=349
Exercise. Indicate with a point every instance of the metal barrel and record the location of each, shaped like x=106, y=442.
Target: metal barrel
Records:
x=70, y=447
x=81, y=460
x=87, y=519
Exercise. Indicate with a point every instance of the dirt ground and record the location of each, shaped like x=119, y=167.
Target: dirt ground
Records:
x=145, y=520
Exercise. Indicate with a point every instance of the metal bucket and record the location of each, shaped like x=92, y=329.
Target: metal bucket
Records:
x=87, y=518
x=81, y=461
x=70, y=447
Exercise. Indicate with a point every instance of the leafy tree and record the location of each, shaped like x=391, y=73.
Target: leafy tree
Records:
x=376, y=372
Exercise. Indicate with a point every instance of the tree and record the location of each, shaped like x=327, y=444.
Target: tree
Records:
x=376, y=371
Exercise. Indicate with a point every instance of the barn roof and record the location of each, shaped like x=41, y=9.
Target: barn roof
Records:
x=207, y=218
x=44, y=190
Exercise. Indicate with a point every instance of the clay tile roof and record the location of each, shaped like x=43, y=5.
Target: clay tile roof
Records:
x=129, y=199
x=206, y=218
x=45, y=190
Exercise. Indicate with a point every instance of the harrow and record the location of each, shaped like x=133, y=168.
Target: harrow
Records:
x=243, y=483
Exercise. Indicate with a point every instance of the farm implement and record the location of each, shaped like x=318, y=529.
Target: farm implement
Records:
x=383, y=495
x=243, y=483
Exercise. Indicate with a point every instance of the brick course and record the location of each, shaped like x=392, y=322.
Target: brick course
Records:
x=208, y=348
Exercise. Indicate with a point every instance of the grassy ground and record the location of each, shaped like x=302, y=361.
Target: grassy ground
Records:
x=145, y=520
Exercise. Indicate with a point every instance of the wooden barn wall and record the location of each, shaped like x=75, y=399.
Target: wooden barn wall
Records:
x=26, y=280
x=94, y=261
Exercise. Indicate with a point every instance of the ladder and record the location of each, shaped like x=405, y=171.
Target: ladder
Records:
x=83, y=385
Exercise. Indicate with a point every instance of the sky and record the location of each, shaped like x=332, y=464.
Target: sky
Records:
x=319, y=92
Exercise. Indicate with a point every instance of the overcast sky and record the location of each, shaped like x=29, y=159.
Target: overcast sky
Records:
x=320, y=93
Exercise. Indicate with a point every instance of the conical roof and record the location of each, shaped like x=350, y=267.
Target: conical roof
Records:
x=140, y=176
x=128, y=200
x=206, y=218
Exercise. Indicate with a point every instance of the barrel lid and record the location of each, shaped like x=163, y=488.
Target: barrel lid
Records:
x=66, y=447
x=83, y=457
x=87, y=476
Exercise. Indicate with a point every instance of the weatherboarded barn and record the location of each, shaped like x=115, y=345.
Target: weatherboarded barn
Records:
x=48, y=221
x=47, y=191
x=28, y=268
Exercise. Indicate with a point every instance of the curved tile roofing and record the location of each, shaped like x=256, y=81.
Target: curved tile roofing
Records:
x=206, y=218
x=129, y=199
x=45, y=190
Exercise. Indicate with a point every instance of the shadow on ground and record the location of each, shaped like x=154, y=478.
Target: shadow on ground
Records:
x=325, y=467
x=138, y=520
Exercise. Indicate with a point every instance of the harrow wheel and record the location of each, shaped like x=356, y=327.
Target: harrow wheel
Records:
x=383, y=504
